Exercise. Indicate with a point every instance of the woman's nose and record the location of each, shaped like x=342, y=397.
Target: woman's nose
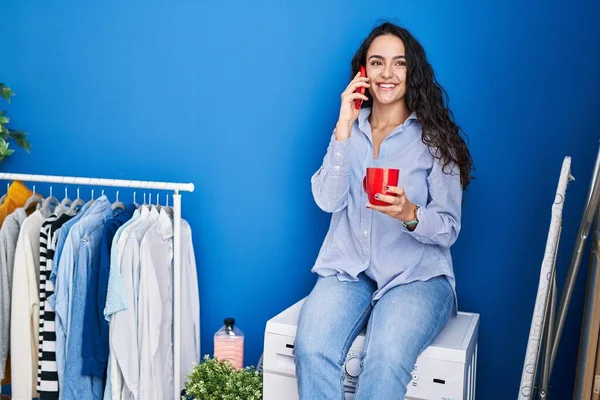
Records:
x=387, y=72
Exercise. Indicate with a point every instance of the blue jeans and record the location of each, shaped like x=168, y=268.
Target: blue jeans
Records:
x=401, y=325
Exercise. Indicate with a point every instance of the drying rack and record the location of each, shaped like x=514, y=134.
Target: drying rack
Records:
x=122, y=183
x=548, y=321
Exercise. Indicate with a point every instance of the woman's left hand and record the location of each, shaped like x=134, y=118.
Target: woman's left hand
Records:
x=400, y=207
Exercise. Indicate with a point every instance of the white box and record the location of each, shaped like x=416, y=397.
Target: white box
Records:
x=446, y=370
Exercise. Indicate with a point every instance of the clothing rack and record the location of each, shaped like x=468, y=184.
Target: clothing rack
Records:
x=172, y=186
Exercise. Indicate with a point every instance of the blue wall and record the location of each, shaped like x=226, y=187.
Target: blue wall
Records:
x=240, y=98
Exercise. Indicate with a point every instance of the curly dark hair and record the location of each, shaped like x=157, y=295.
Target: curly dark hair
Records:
x=426, y=97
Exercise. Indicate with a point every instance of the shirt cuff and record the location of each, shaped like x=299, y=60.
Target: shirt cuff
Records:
x=426, y=228
x=337, y=157
x=52, y=300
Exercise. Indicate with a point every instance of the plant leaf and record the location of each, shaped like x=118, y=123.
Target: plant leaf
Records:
x=20, y=138
x=6, y=92
x=4, y=150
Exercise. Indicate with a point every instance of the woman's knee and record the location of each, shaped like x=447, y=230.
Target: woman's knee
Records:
x=318, y=338
x=307, y=345
x=314, y=339
x=394, y=351
x=332, y=315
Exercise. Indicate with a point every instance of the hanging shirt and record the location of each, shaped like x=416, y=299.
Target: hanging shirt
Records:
x=62, y=238
x=8, y=243
x=80, y=255
x=115, y=301
x=16, y=197
x=59, y=325
x=124, y=324
x=49, y=374
x=44, y=273
x=190, y=305
x=155, y=311
x=95, y=328
x=25, y=308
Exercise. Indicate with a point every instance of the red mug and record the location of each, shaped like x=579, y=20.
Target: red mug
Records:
x=376, y=180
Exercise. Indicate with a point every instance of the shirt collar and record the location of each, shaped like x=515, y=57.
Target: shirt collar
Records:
x=100, y=206
x=165, y=225
x=365, y=113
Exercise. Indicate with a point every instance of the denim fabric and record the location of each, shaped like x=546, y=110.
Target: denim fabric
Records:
x=62, y=238
x=79, y=257
x=60, y=325
x=399, y=327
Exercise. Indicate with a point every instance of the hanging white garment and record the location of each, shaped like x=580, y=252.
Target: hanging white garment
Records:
x=24, y=328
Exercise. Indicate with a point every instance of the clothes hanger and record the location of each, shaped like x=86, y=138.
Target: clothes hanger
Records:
x=150, y=206
x=66, y=201
x=34, y=199
x=167, y=208
x=50, y=203
x=118, y=204
x=78, y=202
x=144, y=207
x=154, y=206
x=63, y=207
x=89, y=203
x=134, y=202
x=158, y=206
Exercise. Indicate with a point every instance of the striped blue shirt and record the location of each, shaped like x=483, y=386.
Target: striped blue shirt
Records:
x=363, y=240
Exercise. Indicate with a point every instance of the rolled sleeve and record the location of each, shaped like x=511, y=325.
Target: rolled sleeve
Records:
x=331, y=183
x=336, y=156
x=439, y=221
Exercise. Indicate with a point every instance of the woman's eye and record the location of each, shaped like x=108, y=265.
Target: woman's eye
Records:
x=401, y=63
x=376, y=63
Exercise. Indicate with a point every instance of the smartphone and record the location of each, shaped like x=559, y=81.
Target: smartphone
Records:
x=361, y=90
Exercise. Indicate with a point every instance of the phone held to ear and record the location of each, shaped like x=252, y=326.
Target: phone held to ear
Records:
x=361, y=89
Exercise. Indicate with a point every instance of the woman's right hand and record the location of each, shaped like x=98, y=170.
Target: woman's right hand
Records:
x=348, y=112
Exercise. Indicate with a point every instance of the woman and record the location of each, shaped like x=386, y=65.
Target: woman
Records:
x=386, y=267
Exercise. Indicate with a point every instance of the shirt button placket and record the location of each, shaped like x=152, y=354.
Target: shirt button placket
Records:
x=365, y=233
x=366, y=219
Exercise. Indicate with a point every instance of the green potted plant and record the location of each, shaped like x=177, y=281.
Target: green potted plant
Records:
x=214, y=379
x=7, y=133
